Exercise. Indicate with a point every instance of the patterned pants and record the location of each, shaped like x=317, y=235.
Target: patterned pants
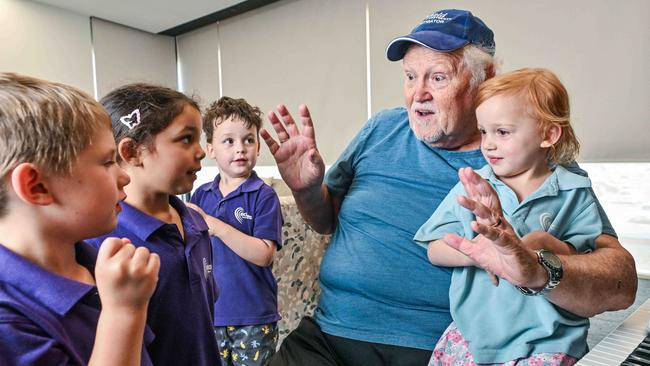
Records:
x=247, y=345
x=453, y=349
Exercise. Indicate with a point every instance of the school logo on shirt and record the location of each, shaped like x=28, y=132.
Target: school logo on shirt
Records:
x=207, y=268
x=242, y=215
x=545, y=221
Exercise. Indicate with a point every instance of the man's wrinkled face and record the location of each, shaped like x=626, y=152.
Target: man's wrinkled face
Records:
x=439, y=98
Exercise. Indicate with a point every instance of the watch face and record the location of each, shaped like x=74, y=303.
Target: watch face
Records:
x=552, y=259
x=553, y=266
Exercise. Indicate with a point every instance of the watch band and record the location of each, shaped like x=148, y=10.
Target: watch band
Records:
x=553, y=267
x=528, y=291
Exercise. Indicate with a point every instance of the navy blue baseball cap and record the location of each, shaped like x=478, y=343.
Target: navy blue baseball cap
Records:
x=445, y=30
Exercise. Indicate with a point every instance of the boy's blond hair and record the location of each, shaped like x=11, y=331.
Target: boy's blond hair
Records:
x=548, y=101
x=44, y=123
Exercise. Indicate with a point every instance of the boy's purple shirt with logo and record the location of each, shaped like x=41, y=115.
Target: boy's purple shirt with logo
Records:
x=248, y=292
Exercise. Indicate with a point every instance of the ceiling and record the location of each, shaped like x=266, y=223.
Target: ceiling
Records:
x=155, y=16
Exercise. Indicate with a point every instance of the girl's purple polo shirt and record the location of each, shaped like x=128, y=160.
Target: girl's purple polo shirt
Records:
x=46, y=319
x=248, y=291
x=180, y=310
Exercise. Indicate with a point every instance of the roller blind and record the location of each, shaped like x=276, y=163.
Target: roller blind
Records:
x=198, y=63
x=46, y=42
x=293, y=52
x=124, y=55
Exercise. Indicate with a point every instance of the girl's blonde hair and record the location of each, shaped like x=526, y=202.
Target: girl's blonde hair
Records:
x=548, y=101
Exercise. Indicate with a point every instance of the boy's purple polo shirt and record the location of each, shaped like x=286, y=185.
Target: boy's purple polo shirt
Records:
x=46, y=319
x=248, y=291
x=180, y=310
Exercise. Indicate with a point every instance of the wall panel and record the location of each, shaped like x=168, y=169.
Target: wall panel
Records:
x=125, y=55
x=46, y=42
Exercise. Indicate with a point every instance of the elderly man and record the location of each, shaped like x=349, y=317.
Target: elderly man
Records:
x=382, y=303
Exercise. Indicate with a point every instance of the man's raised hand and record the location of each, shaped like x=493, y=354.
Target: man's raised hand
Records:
x=295, y=152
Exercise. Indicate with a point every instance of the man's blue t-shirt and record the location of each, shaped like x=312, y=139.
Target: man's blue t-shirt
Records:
x=377, y=284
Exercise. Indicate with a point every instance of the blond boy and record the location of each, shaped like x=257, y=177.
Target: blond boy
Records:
x=61, y=302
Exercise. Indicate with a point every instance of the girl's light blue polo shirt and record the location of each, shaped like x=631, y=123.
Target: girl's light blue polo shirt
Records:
x=500, y=323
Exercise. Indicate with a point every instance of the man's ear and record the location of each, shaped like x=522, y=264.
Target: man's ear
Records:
x=551, y=136
x=490, y=71
x=30, y=184
x=128, y=151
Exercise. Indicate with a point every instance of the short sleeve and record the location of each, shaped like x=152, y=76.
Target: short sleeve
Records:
x=197, y=197
x=23, y=343
x=268, y=217
x=448, y=218
x=340, y=175
x=585, y=227
x=96, y=242
x=607, y=227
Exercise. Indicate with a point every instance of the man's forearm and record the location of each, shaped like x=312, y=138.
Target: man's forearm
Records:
x=318, y=208
x=604, y=280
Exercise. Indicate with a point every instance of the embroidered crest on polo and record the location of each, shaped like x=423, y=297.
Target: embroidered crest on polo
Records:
x=132, y=119
x=545, y=221
x=242, y=215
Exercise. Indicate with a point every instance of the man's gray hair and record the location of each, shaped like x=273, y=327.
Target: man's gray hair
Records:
x=478, y=62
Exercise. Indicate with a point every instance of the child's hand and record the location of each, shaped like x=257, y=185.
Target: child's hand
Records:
x=534, y=240
x=215, y=226
x=126, y=277
x=481, y=198
x=483, y=201
x=196, y=208
x=542, y=240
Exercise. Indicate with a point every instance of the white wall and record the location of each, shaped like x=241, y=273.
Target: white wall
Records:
x=289, y=52
x=198, y=58
x=125, y=55
x=46, y=42
x=55, y=44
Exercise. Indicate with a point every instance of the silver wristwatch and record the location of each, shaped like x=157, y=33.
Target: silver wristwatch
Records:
x=553, y=267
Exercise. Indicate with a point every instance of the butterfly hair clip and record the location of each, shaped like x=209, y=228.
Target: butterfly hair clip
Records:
x=132, y=119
